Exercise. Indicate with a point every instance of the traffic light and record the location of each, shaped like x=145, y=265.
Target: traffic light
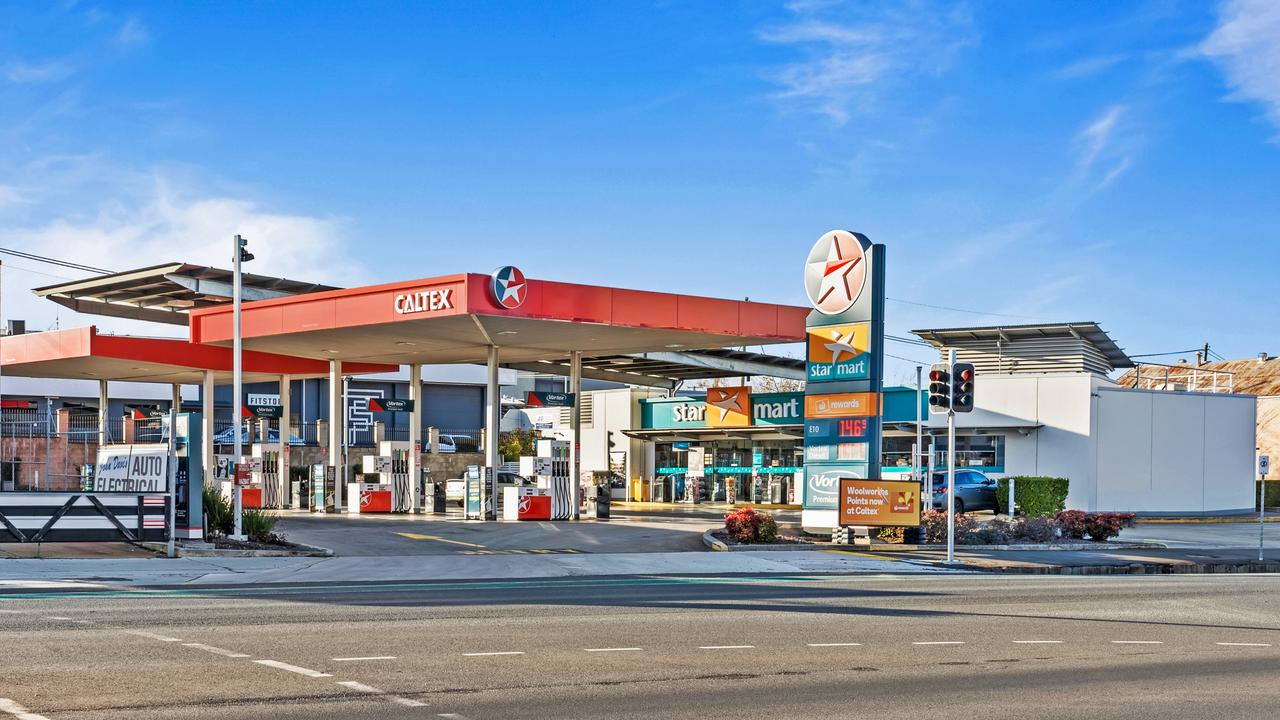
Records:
x=245, y=255
x=939, y=388
x=962, y=387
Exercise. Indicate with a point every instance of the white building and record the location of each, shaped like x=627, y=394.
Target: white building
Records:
x=1046, y=405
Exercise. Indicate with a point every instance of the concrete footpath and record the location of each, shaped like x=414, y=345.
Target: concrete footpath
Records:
x=196, y=571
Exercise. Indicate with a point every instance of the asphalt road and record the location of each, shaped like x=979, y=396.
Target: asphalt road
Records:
x=649, y=647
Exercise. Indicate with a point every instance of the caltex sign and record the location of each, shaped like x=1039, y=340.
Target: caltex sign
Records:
x=509, y=287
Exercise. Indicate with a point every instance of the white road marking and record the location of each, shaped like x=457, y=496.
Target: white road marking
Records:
x=361, y=687
x=1038, y=642
x=46, y=584
x=490, y=654
x=455, y=716
x=725, y=647
x=13, y=708
x=835, y=644
x=627, y=649
x=1246, y=644
x=56, y=617
x=371, y=657
x=153, y=636
x=939, y=642
x=1137, y=642
x=293, y=668
x=215, y=650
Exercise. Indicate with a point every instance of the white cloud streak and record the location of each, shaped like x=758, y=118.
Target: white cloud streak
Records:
x=850, y=54
x=1246, y=48
x=35, y=73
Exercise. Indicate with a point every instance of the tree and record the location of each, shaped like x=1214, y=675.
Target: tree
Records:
x=516, y=444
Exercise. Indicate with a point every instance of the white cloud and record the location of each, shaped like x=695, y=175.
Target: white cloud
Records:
x=132, y=34
x=1096, y=137
x=1246, y=47
x=10, y=195
x=1088, y=67
x=851, y=53
x=161, y=224
x=33, y=73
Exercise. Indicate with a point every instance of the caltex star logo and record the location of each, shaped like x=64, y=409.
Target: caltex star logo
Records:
x=835, y=272
x=509, y=287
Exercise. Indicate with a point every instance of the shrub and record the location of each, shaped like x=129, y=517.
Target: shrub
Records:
x=259, y=526
x=1104, y=526
x=892, y=535
x=1036, y=496
x=933, y=523
x=996, y=532
x=218, y=516
x=767, y=530
x=517, y=443
x=746, y=525
x=1072, y=524
x=1036, y=529
x=1272, y=497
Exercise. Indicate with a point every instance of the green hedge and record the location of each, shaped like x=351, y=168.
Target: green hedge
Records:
x=1036, y=496
x=1273, y=494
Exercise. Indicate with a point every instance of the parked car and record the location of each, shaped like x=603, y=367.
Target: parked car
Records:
x=974, y=491
x=228, y=437
x=457, y=444
x=455, y=491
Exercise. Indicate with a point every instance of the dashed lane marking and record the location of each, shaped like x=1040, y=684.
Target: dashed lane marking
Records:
x=491, y=654
x=1137, y=642
x=1245, y=644
x=1037, y=642
x=359, y=659
x=455, y=716
x=725, y=647
x=835, y=644
x=293, y=668
x=626, y=649
x=153, y=636
x=938, y=642
x=13, y=708
x=361, y=687
x=216, y=650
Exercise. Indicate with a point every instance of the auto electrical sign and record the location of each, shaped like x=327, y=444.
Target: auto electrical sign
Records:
x=844, y=280
x=132, y=469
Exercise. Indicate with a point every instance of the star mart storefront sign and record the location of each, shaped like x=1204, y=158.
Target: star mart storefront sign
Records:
x=766, y=409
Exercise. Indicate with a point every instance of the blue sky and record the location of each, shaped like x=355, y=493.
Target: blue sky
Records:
x=1035, y=162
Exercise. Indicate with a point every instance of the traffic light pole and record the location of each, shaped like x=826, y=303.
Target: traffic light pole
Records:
x=237, y=489
x=951, y=472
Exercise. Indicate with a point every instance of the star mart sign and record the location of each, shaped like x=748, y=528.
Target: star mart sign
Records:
x=766, y=409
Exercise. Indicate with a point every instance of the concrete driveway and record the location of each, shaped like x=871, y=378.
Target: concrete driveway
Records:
x=397, y=535
x=1203, y=535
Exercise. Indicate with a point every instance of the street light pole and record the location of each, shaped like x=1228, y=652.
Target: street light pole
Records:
x=237, y=407
x=917, y=467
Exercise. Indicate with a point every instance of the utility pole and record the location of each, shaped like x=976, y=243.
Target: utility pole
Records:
x=917, y=467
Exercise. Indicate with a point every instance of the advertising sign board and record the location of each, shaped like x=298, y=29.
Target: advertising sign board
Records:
x=132, y=469
x=878, y=503
x=839, y=352
x=841, y=405
x=549, y=399
x=391, y=405
x=728, y=406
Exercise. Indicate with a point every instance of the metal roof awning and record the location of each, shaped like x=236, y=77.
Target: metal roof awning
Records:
x=456, y=319
x=702, y=434
x=166, y=293
x=1089, y=332
x=83, y=354
x=669, y=369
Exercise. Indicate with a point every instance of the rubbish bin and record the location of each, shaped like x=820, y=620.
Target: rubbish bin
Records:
x=603, y=500
x=438, y=501
x=775, y=492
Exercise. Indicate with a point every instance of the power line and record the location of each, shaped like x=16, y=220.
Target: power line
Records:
x=963, y=310
x=54, y=261
x=1165, y=354
x=907, y=341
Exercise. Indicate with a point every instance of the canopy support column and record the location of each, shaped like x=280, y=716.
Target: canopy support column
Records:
x=207, y=460
x=492, y=425
x=103, y=435
x=337, y=431
x=286, y=499
x=415, y=437
x=575, y=420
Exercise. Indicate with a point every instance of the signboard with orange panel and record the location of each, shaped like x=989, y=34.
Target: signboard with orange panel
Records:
x=878, y=503
x=729, y=406
x=839, y=352
x=842, y=405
